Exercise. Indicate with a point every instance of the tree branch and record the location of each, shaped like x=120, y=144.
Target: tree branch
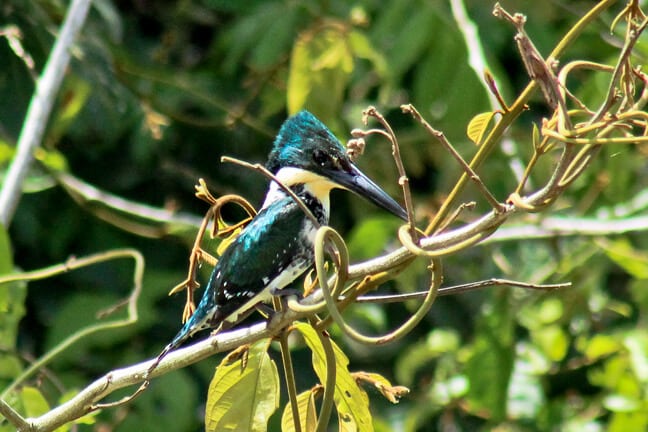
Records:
x=39, y=109
x=85, y=400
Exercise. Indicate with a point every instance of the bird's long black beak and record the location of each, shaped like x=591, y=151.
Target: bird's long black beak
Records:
x=354, y=180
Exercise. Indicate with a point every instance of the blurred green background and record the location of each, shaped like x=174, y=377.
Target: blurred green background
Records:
x=158, y=91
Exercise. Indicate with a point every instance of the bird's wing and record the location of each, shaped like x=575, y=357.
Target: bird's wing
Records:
x=269, y=245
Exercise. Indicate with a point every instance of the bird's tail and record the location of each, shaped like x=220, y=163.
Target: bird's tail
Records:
x=178, y=340
x=205, y=312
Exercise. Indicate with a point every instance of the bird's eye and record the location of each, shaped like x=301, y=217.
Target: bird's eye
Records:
x=320, y=157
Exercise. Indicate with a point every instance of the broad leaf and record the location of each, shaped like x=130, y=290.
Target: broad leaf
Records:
x=243, y=396
x=479, y=126
x=630, y=259
x=351, y=402
x=307, y=413
x=33, y=401
x=320, y=68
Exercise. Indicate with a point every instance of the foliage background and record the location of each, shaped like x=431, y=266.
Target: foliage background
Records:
x=158, y=91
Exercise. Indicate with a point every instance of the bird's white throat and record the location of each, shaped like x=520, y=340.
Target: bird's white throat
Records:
x=317, y=186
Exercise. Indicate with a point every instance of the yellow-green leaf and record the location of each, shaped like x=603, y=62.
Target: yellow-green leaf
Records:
x=362, y=48
x=535, y=136
x=321, y=64
x=630, y=259
x=74, y=95
x=600, y=345
x=307, y=413
x=552, y=340
x=33, y=401
x=7, y=152
x=478, y=126
x=243, y=398
x=351, y=402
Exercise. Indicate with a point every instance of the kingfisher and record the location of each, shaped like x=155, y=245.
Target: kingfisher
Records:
x=277, y=246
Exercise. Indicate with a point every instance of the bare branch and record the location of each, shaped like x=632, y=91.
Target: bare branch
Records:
x=39, y=109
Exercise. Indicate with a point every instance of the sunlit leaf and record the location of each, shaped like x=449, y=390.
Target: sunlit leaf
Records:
x=33, y=401
x=478, y=126
x=307, y=413
x=637, y=344
x=420, y=355
x=12, y=309
x=370, y=237
x=351, y=401
x=444, y=392
x=552, y=340
x=535, y=135
x=600, y=345
x=621, y=403
x=7, y=152
x=362, y=47
x=630, y=259
x=622, y=421
x=243, y=398
x=320, y=68
x=73, y=97
x=52, y=159
x=550, y=310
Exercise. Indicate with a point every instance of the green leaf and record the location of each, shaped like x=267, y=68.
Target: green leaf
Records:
x=407, y=46
x=7, y=152
x=12, y=309
x=552, y=340
x=636, y=420
x=490, y=365
x=243, y=397
x=621, y=403
x=420, y=355
x=320, y=69
x=370, y=237
x=277, y=37
x=307, y=413
x=362, y=47
x=33, y=401
x=84, y=308
x=637, y=344
x=479, y=126
x=444, y=392
x=600, y=345
x=73, y=97
x=351, y=402
x=630, y=259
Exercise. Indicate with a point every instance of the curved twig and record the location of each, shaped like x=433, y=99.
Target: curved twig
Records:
x=325, y=233
x=73, y=264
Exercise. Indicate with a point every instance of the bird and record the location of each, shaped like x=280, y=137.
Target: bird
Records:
x=277, y=246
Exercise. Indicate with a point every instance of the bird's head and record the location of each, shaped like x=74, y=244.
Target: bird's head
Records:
x=306, y=152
